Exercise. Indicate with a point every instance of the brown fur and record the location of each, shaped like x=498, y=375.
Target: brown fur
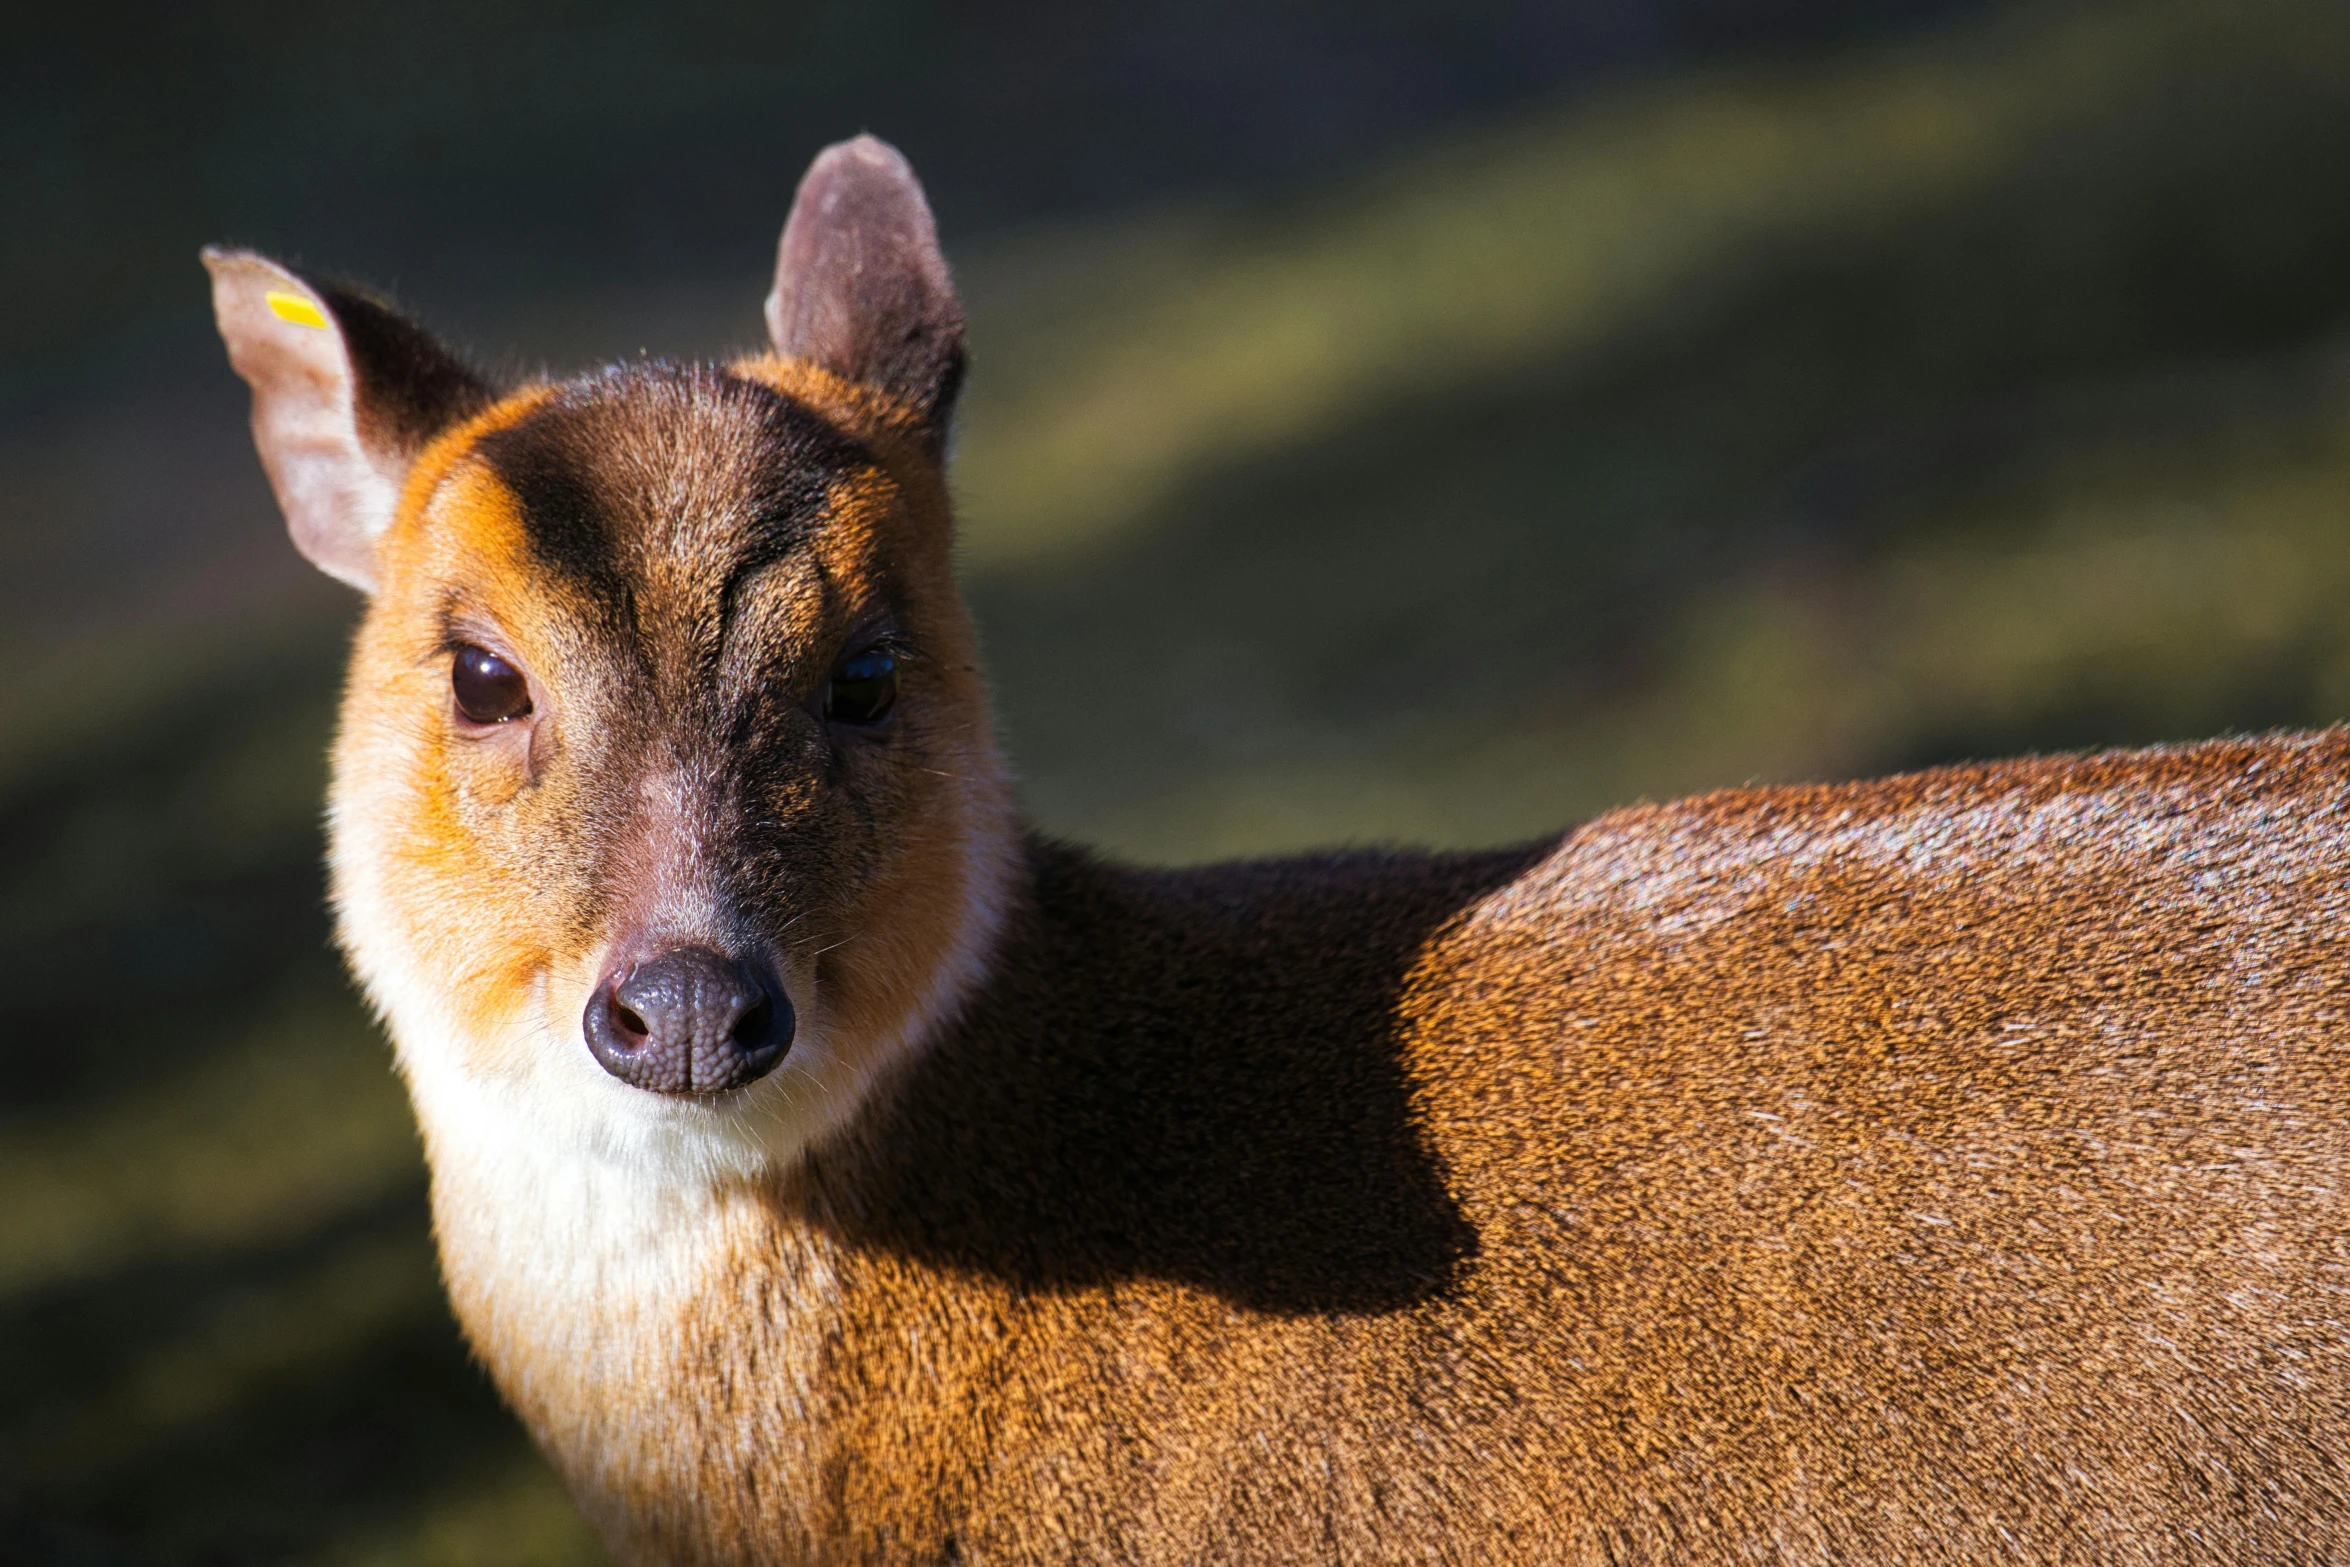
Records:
x=1933, y=1170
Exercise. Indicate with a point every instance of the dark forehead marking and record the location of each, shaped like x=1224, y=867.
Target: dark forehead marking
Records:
x=685, y=463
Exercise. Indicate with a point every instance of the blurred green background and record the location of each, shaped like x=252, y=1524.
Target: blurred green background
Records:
x=1390, y=423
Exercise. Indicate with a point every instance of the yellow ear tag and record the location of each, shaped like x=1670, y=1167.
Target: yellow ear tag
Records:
x=294, y=308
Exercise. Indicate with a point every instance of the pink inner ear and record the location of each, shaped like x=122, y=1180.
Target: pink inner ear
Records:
x=336, y=498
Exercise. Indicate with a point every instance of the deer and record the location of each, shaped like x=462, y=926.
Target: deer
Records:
x=827, y=1167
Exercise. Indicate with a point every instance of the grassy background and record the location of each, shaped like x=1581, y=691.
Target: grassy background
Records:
x=1804, y=404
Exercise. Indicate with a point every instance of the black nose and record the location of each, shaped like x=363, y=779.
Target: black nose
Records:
x=688, y=1021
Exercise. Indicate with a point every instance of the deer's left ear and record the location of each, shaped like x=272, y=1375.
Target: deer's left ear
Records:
x=861, y=287
x=345, y=394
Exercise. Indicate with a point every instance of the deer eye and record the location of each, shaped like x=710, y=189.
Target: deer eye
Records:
x=864, y=688
x=488, y=689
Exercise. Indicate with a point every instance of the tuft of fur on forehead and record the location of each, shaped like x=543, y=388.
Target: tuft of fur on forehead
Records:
x=675, y=481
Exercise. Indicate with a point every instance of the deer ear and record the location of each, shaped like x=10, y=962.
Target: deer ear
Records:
x=345, y=394
x=861, y=287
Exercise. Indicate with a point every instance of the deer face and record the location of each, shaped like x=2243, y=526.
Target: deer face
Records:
x=666, y=809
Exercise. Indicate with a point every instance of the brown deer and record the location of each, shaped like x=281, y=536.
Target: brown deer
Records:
x=828, y=1169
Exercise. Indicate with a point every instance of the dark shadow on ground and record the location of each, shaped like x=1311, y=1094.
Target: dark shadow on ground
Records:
x=160, y=879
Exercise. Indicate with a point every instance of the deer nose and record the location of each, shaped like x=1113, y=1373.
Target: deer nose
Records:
x=688, y=1021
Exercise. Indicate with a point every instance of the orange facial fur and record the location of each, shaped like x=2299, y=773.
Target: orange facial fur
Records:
x=508, y=869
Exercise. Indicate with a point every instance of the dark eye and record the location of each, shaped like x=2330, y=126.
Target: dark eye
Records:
x=489, y=690
x=864, y=688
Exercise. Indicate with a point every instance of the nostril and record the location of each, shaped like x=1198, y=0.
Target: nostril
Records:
x=751, y=1028
x=626, y=1022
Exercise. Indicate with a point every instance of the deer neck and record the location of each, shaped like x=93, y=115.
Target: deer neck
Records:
x=664, y=1330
